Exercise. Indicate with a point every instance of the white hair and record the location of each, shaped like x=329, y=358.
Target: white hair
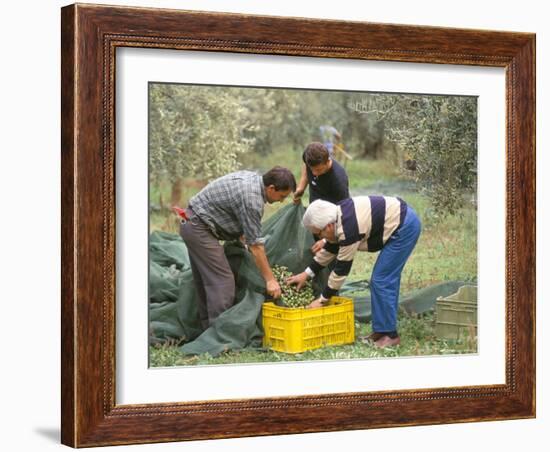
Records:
x=319, y=214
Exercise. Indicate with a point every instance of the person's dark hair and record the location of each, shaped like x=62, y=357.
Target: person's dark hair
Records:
x=281, y=178
x=315, y=154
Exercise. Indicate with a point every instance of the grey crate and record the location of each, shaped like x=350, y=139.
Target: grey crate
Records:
x=456, y=315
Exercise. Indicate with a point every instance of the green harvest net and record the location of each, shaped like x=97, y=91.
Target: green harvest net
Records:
x=173, y=313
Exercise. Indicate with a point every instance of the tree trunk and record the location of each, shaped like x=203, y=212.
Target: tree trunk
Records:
x=161, y=200
x=175, y=197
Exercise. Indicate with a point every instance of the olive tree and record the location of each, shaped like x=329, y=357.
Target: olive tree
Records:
x=194, y=131
x=439, y=135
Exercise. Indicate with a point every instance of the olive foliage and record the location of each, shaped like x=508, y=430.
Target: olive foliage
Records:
x=194, y=131
x=438, y=134
x=200, y=131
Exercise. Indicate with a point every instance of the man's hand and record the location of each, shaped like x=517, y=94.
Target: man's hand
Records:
x=318, y=246
x=319, y=302
x=299, y=279
x=301, y=187
x=297, y=196
x=272, y=286
x=273, y=289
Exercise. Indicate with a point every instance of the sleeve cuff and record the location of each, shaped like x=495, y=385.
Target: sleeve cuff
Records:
x=310, y=272
x=258, y=241
x=315, y=267
x=328, y=292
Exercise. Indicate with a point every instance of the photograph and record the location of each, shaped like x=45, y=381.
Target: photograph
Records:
x=292, y=224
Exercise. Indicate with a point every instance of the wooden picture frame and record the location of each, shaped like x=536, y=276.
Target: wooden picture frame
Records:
x=90, y=36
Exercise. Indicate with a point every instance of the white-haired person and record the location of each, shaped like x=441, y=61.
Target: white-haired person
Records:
x=364, y=223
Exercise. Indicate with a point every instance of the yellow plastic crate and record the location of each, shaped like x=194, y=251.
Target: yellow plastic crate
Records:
x=296, y=330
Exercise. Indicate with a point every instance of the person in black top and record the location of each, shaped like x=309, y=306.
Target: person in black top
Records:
x=326, y=178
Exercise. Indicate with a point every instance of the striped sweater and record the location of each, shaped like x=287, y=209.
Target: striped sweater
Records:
x=364, y=223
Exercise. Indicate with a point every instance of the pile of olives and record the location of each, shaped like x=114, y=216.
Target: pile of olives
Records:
x=290, y=296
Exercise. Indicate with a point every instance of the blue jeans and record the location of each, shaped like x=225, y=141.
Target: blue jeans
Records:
x=386, y=275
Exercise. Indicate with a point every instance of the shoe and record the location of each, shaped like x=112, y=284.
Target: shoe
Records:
x=387, y=341
x=371, y=338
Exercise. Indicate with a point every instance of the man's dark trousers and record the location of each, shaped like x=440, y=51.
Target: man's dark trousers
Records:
x=213, y=278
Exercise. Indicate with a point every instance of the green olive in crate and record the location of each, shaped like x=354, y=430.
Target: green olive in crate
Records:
x=290, y=296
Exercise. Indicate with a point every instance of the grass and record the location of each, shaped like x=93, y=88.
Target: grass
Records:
x=282, y=156
x=365, y=173
x=417, y=339
x=447, y=250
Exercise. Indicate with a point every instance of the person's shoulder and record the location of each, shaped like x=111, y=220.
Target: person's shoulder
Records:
x=255, y=178
x=241, y=173
x=244, y=175
x=338, y=170
x=253, y=182
x=337, y=167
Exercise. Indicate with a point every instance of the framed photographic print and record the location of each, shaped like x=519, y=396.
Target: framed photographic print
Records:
x=166, y=108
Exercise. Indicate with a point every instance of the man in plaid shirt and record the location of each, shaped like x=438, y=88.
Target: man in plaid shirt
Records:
x=230, y=208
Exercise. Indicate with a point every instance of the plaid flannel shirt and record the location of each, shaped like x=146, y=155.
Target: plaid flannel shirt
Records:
x=233, y=205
